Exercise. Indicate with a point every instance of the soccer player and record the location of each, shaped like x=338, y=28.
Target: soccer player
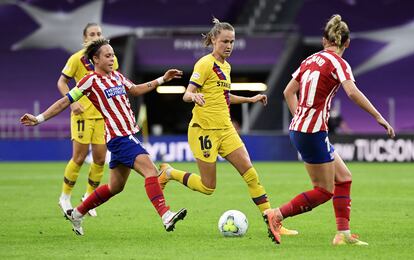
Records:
x=87, y=125
x=211, y=132
x=316, y=81
x=107, y=90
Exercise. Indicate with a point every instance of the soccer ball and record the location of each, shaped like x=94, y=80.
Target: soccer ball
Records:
x=233, y=223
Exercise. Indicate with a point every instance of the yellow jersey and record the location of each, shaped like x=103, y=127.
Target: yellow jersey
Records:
x=77, y=67
x=212, y=79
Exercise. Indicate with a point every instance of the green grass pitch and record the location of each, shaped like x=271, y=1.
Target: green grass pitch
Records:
x=127, y=227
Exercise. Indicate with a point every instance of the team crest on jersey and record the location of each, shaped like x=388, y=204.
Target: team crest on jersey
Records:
x=206, y=154
x=115, y=91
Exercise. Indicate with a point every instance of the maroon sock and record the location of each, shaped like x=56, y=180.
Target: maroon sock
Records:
x=305, y=201
x=154, y=192
x=342, y=204
x=97, y=197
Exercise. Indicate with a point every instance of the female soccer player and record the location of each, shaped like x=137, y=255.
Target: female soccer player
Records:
x=317, y=80
x=87, y=125
x=211, y=132
x=107, y=90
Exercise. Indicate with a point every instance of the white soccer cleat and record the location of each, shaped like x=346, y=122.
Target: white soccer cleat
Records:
x=65, y=204
x=91, y=212
x=170, y=218
x=76, y=222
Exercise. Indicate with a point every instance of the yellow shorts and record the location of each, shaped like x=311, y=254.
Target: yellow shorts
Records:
x=87, y=131
x=206, y=144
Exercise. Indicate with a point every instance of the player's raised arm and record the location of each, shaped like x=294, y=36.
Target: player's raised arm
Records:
x=143, y=88
x=53, y=110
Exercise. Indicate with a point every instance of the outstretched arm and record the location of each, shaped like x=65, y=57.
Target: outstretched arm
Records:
x=359, y=98
x=290, y=95
x=63, y=87
x=239, y=99
x=143, y=88
x=53, y=110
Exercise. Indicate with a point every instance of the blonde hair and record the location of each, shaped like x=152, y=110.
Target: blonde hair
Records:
x=217, y=28
x=336, y=31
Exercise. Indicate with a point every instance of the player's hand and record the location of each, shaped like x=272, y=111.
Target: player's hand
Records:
x=198, y=98
x=172, y=74
x=259, y=97
x=76, y=108
x=387, y=126
x=28, y=120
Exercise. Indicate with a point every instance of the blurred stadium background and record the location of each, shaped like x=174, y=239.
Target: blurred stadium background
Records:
x=272, y=37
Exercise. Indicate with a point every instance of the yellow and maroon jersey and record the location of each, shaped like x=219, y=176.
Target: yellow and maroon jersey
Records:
x=76, y=68
x=212, y=79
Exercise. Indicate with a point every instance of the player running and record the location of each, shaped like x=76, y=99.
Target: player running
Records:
x=211, y=132
x=107, y=90
x=87, y=125
x=317, y=80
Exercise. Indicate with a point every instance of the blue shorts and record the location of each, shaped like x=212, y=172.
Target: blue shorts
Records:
x=314, y=148
x=124, y=150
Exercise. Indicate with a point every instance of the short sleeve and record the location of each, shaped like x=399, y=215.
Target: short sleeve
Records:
x=70, y=67
x=85, y=84
x=126, y=82
x=297, y=75
x=200, y=73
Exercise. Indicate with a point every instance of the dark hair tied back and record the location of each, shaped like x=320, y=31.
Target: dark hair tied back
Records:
x=93, y=47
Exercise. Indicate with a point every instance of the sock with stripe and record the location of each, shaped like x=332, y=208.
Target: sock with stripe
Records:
x=342, y=204
x=305, y=201
x=70, y=177
x=155, y=194
x=94, y=178
x=191, y=180
x=98, y=197
x=256, y=190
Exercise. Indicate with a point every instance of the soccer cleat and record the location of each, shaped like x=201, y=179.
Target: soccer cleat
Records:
x=170, y=218
x=91, y=212
x=163, y=177
x=76, y=222
x=343, y=239
x=65, y=204
x=288, y=232
x=273, y=225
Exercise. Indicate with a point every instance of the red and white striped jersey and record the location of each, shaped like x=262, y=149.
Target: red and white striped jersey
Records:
x=319, y=76
x=109, y=96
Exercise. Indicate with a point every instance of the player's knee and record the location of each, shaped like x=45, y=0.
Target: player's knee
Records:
x=206, y=190
x=79, y=158
x=115, y=189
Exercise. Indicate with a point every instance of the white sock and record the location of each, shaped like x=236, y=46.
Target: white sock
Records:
x=347, y=233
x=65, y=196
x=76, y=213
x=166, y=216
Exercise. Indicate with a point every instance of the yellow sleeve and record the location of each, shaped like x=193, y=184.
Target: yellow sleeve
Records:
x=71, y=67
x=116, y=65
x=200, y=73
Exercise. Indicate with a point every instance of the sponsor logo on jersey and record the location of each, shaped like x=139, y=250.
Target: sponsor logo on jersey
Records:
x=115, y=91
x=219, y=72
x=195, y=75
